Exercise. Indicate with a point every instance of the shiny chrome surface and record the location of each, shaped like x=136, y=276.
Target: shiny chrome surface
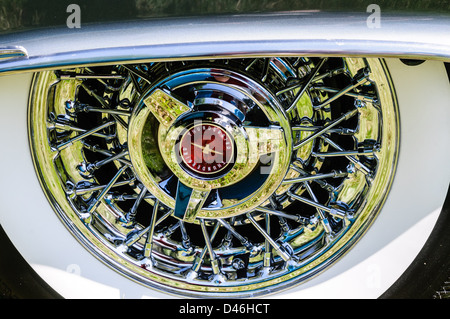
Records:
x=417, y=36
x=12, y=52
x=104, y=141
x=256, y=147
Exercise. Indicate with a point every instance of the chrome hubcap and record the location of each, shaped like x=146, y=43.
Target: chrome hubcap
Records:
x=216, y=153
x=217, y=178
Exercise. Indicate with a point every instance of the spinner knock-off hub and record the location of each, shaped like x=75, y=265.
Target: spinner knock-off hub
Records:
x=215, y=163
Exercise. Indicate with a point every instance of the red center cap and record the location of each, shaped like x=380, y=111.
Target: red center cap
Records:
x=206, y=149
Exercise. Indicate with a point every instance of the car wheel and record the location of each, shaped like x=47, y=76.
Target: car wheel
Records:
x=308, y=149
x=236, y=177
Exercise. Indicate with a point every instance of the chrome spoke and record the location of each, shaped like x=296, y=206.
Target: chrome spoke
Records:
x=138, y=73
x=307, y=83
x=111, y=156
x=104, y=104
x=340, y=130
x=65, y=126
x=149, y=240
x=84, y=188
x=307, y=178
x=132, y=213
x=359, y=79
x=278, y=248
x=93, y=206
x=326, y=128
x=136, y=234
x=96, y=165
x=365, y=98
x=75, y=107
x=218, y=276
x=317, y=78
x=267, y=261
x=322, y=217
x=199, y=260
x=360, y=166
x=68, y=143
x=233, y=231
x=268, y=211
x=338, y=213
x=345, y=153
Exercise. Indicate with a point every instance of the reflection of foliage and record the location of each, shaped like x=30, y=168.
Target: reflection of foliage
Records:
x=189, y=7
x=16, y=14
x=150, y=150
x=10, y=14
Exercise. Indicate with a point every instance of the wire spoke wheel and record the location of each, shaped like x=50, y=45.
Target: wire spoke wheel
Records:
x=229, y=177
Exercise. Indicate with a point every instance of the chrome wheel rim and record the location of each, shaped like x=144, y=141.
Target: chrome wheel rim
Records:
x=313, y=147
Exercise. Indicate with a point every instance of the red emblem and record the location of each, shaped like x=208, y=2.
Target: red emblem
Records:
x=206, y=148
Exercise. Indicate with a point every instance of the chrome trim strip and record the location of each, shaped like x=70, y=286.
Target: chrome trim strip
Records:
x=281, y=34
x=12, y=52
x=195, y=51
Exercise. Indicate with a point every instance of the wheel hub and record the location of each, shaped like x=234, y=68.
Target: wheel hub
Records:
x=210, y=146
